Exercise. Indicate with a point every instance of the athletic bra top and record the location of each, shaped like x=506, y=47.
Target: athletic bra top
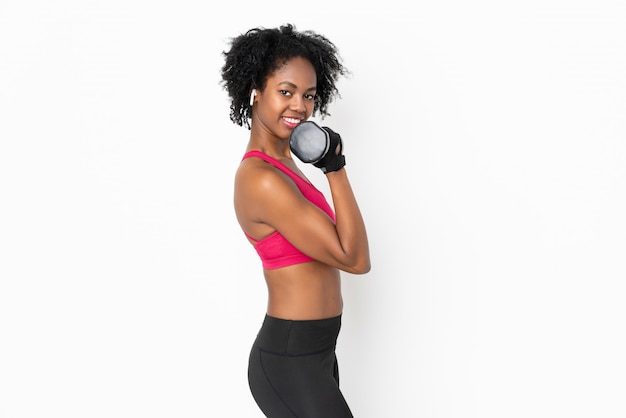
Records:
x=274, y=250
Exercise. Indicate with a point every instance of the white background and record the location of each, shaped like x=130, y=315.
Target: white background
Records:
x=485, y=141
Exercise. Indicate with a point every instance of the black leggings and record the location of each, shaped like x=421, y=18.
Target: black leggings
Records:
x=293, y=369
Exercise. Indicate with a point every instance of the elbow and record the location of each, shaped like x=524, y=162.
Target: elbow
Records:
x=363, y=270
x=356, y=263
x=366, y=268
x=361, y=267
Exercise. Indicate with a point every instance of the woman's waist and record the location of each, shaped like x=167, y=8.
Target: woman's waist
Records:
x=306, y=308
x=311, y=291
x=298, y=337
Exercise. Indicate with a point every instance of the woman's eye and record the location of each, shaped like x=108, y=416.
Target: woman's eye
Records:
x=285, y=92
x=309, y=96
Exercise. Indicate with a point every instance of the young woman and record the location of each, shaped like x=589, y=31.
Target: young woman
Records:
x=276, y=79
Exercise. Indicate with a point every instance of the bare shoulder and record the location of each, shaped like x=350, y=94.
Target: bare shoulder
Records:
x=262, y=191
x=257, y=177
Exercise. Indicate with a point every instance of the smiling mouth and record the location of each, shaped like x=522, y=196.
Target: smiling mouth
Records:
x=291, y=123
x=293, y=120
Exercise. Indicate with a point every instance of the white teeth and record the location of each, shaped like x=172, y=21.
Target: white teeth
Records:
x=292, y=120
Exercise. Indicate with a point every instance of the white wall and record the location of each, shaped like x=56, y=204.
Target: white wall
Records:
x=486, y=143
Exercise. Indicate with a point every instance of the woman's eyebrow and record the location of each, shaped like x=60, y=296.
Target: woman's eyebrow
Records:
x=290, y=84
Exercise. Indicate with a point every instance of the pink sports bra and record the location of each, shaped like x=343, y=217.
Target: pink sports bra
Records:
x=274, y=250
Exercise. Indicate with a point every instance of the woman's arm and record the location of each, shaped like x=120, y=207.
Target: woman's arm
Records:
x=268, y=200
x=350, y=226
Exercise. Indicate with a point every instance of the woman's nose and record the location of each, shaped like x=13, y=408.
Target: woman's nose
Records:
x=297, y=104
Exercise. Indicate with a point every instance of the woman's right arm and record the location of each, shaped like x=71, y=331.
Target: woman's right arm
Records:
x=350, y=227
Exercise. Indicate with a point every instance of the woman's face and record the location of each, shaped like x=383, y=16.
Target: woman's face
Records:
x=288, y=97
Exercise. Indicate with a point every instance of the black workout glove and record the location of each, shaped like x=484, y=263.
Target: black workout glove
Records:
x=333, y=160
x=320, y=146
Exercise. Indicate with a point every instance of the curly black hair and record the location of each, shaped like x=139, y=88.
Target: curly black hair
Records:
x=256, y=54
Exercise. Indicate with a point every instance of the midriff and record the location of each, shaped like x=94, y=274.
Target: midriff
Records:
x=304, y=291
